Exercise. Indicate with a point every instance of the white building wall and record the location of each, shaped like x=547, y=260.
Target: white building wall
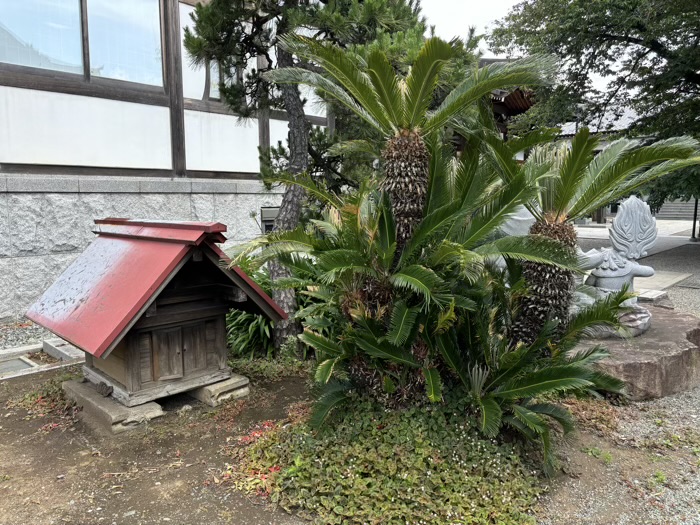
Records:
x=42, y=127
x=217, y=142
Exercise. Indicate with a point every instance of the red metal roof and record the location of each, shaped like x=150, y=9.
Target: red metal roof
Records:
x=110, y=285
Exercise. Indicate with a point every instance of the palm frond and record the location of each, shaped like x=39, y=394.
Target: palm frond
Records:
x=422, y=79
x=548, y=380
x=617, y=170
x=383, y=350
x=433, y=384
x=490, y=416
x=324, y=371
x=349, y=147
x=418, y=279
x=342, y=67
x=534, y=248
x=329, y=397
x=530, y=71
x=573, y=170
x=403, y=318
x=558, y=413
x=293, y=75
x=386, y=86
x=321, y=344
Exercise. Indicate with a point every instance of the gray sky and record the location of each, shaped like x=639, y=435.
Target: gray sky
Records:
x=453, y=17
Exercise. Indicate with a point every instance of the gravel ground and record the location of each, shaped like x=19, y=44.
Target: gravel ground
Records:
x=645, y=471
x=671, y=423
x=21, y=333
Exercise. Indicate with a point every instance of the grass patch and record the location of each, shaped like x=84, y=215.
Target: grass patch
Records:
x=48, y=398
x=603, y=455
x=271, y=369
x=421, y=465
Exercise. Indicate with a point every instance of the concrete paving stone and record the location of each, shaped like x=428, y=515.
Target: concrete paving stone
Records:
x=214, y=186
x=42, y=184
x=257, y=187
x=661, y=280
x=62, y=350
x=109, y=185
x=165, y=186
x=105, y=412
x=213, y=395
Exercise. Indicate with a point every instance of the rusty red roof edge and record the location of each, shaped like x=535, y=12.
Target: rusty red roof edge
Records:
x=206, y=227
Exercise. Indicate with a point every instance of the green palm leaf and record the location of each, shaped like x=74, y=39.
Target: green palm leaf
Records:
x=344, y=70
x=556, y=412
x=616, y=172
x=321, y=344
x=383, y=350
x=328, y=398
x=306, y=182
x=490, y=416
x=433, y=384
x=386, y=85
x=292, y=75
x=548, y=380
x=534, y=248
x=403, y=319
x=418, y=279
x=531, y=71
x=422, y=79
x=324, y=371
x=573, y=170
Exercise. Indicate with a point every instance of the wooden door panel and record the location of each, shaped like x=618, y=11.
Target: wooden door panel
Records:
x=145, y=356
x=167, y=354
x=195, y=347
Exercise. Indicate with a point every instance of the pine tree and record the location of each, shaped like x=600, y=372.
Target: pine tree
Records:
x=238, y=34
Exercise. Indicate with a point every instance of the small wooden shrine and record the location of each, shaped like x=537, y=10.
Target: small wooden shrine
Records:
x=147, y=303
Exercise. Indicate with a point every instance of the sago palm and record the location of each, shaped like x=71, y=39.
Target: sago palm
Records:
x=573, y=181
x=379, y=311
x=399, y=108
x=513, y=384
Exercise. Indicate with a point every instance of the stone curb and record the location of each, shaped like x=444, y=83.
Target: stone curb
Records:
x=85, y=184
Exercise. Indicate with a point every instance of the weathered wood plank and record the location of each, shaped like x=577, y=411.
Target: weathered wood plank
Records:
x=167, y=353
x=119, y=392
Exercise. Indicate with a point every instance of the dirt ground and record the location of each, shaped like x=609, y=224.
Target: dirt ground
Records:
x=166, y=473
x=636, y=464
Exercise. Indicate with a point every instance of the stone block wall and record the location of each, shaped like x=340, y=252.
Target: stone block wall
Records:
x=46, y=221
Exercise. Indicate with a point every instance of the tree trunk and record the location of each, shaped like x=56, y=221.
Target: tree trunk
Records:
x=290, y=210
x=551, y=289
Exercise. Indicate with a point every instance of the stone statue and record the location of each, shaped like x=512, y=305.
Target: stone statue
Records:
x=633, y=232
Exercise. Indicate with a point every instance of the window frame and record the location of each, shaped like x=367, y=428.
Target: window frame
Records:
x=15, y=75
x=169, y=95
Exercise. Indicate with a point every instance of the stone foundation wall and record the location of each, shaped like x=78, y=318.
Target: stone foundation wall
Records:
x=46, y=221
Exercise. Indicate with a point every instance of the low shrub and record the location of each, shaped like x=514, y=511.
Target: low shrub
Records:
x=419, y=465
x=284, y=364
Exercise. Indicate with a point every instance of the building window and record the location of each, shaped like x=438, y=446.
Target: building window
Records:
x=44, y=34
x=196, y=79
x=125, y=42
x=267, y=218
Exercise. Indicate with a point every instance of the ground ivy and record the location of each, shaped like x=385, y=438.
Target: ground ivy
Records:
x=375, y=466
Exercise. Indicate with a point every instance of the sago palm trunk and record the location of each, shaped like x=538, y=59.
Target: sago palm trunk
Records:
x=406, y=167
x=551, y=289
